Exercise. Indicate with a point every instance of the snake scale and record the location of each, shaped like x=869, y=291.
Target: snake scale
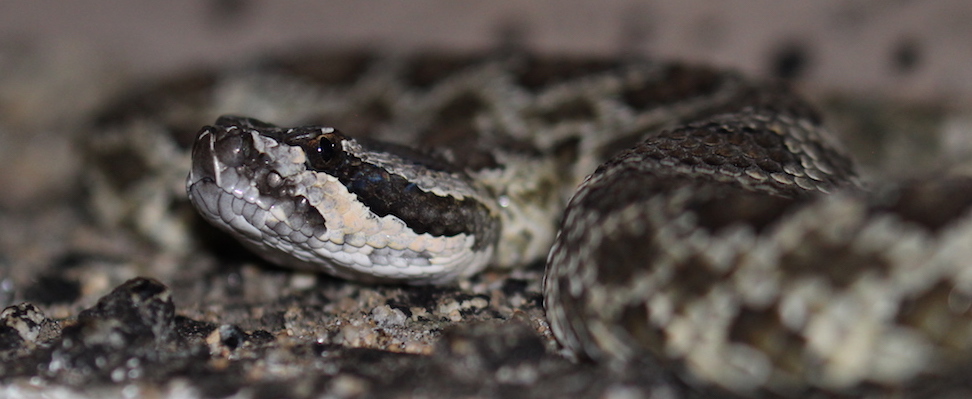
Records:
x=723, y=235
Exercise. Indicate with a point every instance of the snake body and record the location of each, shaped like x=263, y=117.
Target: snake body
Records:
x=723, y=235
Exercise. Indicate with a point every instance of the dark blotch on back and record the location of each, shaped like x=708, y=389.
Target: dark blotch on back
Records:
x=181, y=100
x=569, y=111
x=123, y=168
x=728, y=206
x=538, y=73
x=634, y=319
x=460, y=110
x=618, y=189
x=679, y=83
x=838, y=262
x=453, y=127
x=762, y=329
x=922, y=313
x=329, y=69
x=932, y=203
x=429, y=69
x=622, y=254
x=774, y=97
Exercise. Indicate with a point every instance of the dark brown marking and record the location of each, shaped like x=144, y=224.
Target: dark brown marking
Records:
x=679, y=83
x=932, y=204
x=426, y=70
x=331, y=69
x=569, y=111
x=763, y=330
x=536, y=73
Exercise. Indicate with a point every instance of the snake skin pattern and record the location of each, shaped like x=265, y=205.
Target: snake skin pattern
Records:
x=725, y=236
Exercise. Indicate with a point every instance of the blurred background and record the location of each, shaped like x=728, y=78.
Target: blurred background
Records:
x=59, y=60
x=910, y=49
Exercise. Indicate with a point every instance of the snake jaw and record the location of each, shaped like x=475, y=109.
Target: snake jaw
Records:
x=351, y=212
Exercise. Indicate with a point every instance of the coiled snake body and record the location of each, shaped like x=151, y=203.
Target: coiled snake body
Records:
x=704, y=240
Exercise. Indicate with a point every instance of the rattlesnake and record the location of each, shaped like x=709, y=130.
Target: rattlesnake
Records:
x=703, y=241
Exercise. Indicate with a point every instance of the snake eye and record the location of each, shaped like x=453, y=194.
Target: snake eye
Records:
x=323, y=152
x=322, y=146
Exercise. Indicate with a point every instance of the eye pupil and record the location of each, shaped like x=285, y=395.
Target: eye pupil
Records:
x=326, y=150
x=324, y=155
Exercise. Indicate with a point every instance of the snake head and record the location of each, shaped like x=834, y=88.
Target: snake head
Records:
x=313, y=198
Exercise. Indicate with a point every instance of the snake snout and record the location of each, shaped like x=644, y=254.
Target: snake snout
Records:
x=203, y=159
